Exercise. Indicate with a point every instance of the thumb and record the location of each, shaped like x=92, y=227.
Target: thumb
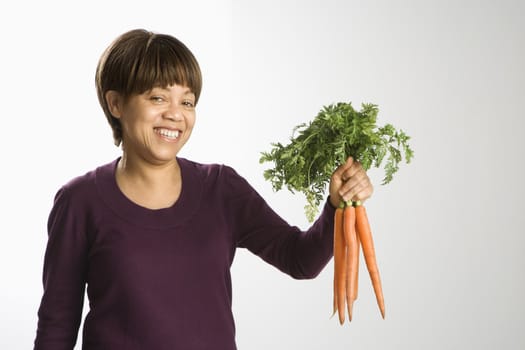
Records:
x=338, y=178
x=339, y=173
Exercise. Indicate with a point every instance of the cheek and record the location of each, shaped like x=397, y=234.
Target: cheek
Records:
x=137, y=126
x=191, y=121
x=142, y=117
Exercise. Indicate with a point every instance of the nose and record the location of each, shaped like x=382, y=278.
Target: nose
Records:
x=174, y=113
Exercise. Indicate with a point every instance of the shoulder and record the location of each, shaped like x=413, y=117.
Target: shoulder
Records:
x=215, y=174
x=203, y=169
x=85, y=185
x=207, y=171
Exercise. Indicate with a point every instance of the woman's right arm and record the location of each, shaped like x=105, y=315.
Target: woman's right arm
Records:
x=64, y=276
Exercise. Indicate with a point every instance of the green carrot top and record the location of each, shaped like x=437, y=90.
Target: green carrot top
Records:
x=317, y=148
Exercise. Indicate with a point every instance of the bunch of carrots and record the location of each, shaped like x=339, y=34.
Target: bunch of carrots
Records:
x=305, y=165
x=352, y=232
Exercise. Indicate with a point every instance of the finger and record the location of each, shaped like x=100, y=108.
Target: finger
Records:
x=352, y=170
x=353, y=184
x=348, y=193
x=363, y=194
x=358, y=194
x=354, y=175
x=354, y=180
x=347, y=166
x=340, y=172
x=356, y=189
x=337, y=181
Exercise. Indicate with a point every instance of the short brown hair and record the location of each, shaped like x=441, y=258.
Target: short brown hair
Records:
x=140, y=60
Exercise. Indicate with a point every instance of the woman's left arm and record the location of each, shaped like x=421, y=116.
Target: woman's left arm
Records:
x=300, y=254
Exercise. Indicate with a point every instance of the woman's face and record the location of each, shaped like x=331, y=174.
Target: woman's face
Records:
x=157, y=123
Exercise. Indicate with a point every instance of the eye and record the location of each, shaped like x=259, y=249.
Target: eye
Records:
x=188, y=104
x=157, y=99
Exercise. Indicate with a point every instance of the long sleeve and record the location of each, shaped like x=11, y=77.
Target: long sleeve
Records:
x=300, y=254
x=64, y=272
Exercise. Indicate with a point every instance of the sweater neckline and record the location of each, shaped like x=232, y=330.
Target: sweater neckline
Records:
x=176, y=215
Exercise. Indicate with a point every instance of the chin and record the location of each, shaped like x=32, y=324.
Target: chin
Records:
x=164, y=152
x=165, y=157
x=162, y=155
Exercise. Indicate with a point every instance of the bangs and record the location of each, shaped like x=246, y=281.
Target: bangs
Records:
x=164, y=61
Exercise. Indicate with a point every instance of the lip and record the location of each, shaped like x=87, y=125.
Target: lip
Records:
x=171, y=128
x=166, y=138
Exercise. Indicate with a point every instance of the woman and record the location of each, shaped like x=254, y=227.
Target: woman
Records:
x=153, y=235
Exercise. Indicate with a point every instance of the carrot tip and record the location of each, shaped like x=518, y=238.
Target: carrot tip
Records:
x=383, y=314
x=350, y=307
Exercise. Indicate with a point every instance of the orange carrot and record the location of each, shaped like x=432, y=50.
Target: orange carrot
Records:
x=339, y=265
x=351, y=256
x=358, y=243
x=367, y=244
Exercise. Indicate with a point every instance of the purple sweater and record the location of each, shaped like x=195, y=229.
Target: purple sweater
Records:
x=160, y=279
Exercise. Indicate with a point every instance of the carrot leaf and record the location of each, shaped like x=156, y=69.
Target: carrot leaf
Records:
x=317, y=148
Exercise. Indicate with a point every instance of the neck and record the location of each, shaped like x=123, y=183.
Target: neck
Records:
x=153, y=186
x=139, y=171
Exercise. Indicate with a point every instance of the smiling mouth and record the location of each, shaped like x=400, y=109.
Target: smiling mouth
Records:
x=168, y=134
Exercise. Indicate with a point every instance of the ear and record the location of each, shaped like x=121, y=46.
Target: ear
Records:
x=114, y=101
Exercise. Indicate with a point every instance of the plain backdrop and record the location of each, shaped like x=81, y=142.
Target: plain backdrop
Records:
x=449, y=230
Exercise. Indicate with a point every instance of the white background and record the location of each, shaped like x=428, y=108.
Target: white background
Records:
x=448, y=230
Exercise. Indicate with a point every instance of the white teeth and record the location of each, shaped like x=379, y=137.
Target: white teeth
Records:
x=172, y=134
